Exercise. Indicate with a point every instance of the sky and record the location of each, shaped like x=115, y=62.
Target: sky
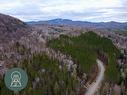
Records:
x=82, y=10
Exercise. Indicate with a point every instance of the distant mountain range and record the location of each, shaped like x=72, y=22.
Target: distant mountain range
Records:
x=110, y=26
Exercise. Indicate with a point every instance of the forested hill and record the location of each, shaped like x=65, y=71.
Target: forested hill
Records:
x=11, y=28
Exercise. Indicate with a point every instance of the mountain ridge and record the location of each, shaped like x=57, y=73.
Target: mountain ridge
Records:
x=65, y=20
x=110, y=26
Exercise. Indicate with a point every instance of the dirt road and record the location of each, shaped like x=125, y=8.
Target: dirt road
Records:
x=95, y=85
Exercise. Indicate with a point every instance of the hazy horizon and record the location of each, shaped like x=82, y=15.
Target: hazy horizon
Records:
x=90, y=10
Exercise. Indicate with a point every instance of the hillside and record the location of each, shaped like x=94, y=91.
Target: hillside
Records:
x=11, y=28
x=83, y=50
x=11, y=32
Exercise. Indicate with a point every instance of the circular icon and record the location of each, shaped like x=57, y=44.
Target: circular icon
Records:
x=16, y=79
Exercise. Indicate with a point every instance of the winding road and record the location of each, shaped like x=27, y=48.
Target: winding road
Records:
x=95, y=85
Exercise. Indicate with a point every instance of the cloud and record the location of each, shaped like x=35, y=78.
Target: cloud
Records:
x=90, y=10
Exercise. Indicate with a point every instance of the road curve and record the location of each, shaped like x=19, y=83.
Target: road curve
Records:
x=94, y=86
